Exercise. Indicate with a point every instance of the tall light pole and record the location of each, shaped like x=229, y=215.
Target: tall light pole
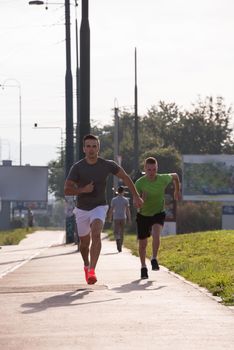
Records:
x=77, y=88
x=69, y=148
x=84, y=120
x=18, y=86
x=116, y=141
x=136, y=146
x=39, y=2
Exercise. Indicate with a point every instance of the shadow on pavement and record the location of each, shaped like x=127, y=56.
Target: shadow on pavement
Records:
x=66, y=299
x=38, y=257
x=110, y=253
x=54, y=255
x=136, y=286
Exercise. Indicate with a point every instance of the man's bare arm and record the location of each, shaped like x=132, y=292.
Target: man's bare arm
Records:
x=110, y=213
x=71, y=188
x=176, y=182
x=128, y=182
x=128, y=215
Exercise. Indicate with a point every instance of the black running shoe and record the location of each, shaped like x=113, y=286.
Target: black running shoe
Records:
x=144, y=273
x=154, y=264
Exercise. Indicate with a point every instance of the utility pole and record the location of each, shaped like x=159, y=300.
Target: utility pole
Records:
x=136, y=146
x=77, y=152
x=69, y=157
x=69, y=143
x=84, y=120
x=116, y=144
x=69, y=149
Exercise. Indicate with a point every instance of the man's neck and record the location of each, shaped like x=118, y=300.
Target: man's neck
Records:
x=152, y=178
x=91, y=160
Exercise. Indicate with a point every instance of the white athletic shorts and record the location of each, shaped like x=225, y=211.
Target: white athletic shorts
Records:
x=84, y=218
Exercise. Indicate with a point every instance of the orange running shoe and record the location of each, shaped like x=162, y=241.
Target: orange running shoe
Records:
x=91, y=277
x=86, y=271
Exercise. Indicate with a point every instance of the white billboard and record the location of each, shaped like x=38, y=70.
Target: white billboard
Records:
x=208, y=177
x=24, y=183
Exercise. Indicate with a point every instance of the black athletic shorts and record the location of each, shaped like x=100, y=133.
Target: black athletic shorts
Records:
x=145, y=223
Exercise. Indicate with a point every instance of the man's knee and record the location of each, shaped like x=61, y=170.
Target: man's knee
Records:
x=156, y=230
x=96, y=227
x=85, y=240
x=142, y=243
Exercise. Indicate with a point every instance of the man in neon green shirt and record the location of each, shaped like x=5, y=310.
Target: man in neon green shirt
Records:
x=151, y=216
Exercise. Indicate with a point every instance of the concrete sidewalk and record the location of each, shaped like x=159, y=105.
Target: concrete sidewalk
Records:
x=14, y=256
x=45, y=304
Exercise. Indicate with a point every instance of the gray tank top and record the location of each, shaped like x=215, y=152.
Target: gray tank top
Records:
x=119, y=205
x=83, y=173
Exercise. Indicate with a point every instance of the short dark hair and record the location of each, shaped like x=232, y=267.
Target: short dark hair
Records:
x=150, y=160
x=120, y=189
x=90, y=137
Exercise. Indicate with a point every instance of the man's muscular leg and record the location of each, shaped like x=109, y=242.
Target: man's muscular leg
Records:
x=95, y=249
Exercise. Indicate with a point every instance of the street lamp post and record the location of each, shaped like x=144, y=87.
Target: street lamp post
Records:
x=77, y=88
x=17, y=85
x=84, y=120
x=116, y=142
x=136, y=146
x=69, y=149
x=82, y=82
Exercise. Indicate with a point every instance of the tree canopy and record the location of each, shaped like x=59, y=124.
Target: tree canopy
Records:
x=166, y=132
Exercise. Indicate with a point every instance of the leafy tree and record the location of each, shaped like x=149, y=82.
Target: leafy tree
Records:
x=160, y=126
x=204, y=130
x=56, y=178
x=165, y=131
x=126, y=141
x=217, y=120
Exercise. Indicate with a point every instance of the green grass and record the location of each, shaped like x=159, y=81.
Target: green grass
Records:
x=204, y=258
x=12, y=237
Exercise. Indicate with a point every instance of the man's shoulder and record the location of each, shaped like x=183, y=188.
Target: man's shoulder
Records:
x=126, y=200
x=109, y=164
x=164, y=176
x=141, y=179
x=79, y=162
x=75, y=168
x=122, y=199
x=106, y=161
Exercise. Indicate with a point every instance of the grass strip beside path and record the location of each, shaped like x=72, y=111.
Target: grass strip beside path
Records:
x=204, y=258
x=12, y=237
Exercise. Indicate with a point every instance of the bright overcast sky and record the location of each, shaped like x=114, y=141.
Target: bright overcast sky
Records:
x=185, y=49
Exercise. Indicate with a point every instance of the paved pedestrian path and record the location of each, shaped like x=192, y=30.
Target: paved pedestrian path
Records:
x=45, y=304
x=14, y=256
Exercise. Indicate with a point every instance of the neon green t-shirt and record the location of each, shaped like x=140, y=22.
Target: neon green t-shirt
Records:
x=154, y=193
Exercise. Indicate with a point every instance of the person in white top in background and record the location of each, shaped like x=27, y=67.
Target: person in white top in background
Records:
x=120, y=211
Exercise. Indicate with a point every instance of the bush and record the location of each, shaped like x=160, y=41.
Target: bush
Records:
x=17, y=223
x=198, y=216
x=42, y=220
